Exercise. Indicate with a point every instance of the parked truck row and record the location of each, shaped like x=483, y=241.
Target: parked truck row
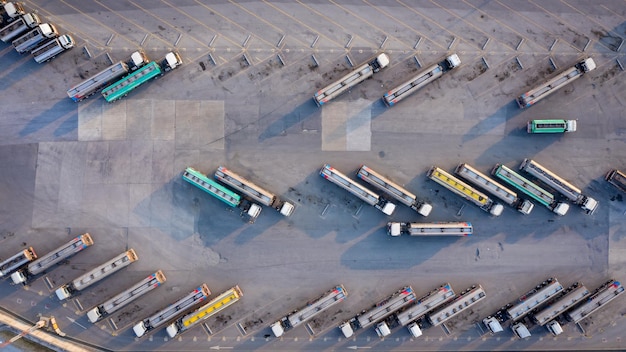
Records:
x=253, y=191
x=565, y=188
x=369, y=197
x=27, y=34
x=239, y=192
x=550, y=305
x=431, y=73
x=107, y=76
x=442, y=305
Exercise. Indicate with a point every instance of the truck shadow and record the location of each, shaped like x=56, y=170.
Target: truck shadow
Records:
x=19, y=67
x=63, y=109
x=403, y=252
x=500, y=116
x=510, y=146
x=298, y=115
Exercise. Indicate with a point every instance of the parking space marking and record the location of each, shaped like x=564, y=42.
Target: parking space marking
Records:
x=244, y=30
x=279, y=30
x=396, y=20
x=501, y=24
x=328, y=19
x=613, y=12
x=372, y=25
x=589, y=18
x=168, y=44
x=71, y=28
x=300, y=22
x=426, y=18
x=533, y=22
x=469, y=24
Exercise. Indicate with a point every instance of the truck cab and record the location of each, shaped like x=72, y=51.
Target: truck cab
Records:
x=140, y=329
x=286, y=209
x=452, y=61
x=18, y=277
x=94, y=315
x=554, y=327
x=492, y=324
x=137, y=60
x=171, y=61
x=253, y=211
x=277, y=329
x=382, y=329
x=381, y=61
x=13, y=9
x=415, y=330
x=520, y=330
x=346, y=329
x=386, y=207
x=590, y=205
x=63, y=293
x=394, y=229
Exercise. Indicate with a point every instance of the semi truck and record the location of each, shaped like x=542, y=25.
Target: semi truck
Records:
x=249, y=209
x=465, y=191
x=571, y=192
x=330, y=298
x=533, y=299
x=551, y=126
x=520, y=330
x=121, y=88
x=19, y=26
x=430, y=229
x=398, y=300
x=253, y=191
x=617, y=179
x=552, y=85
x=409, y=315
x=14, y=263
x=560, y=304
x=598, y=299
x=422, y=79
x=358, y=75
x=460, y=303
x=403, y=196
x=483, y=181
x=40, y=265
x=529, y=188
x=337, y=177
x=170, y=312
x=126, y=297
x=213, y=307
x=32, y=39
x=97, y=274
x=100, y=80
x=52, y=48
